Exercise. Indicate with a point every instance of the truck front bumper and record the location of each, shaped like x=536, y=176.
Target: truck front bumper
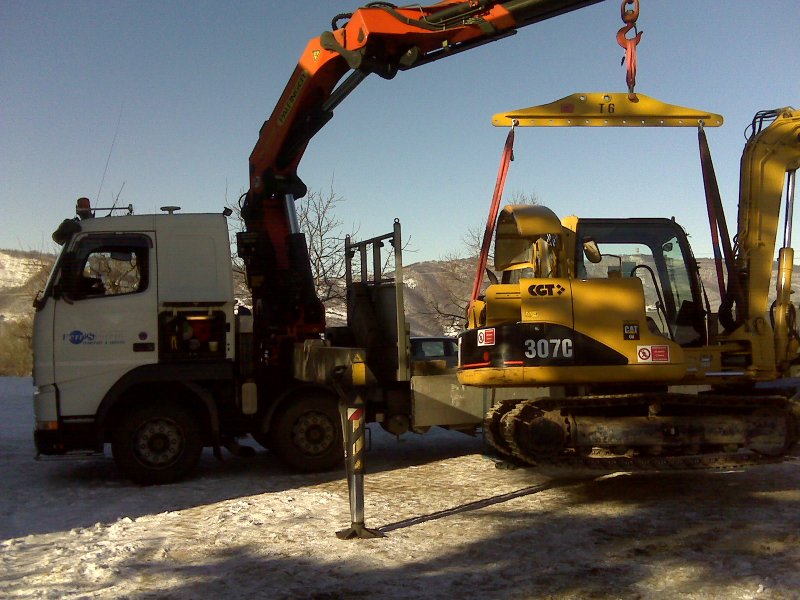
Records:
x=66, y=438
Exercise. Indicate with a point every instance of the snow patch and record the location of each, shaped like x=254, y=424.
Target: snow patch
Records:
x=15, y=271
x=456, y=527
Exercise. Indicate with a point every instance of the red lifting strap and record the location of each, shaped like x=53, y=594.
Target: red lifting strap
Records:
x=716, y=219
x=508, y=156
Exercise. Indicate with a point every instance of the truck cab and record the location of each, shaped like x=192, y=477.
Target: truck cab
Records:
x=137, y=317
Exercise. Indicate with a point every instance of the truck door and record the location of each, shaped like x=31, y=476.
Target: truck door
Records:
x=105, y=321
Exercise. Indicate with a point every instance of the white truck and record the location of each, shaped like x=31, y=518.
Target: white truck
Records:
x=138, y=343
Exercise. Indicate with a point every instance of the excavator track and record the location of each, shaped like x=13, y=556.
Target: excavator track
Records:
x=493, y=431
x=520, y=433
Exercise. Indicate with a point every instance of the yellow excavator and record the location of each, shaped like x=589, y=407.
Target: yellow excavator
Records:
x=610, y=317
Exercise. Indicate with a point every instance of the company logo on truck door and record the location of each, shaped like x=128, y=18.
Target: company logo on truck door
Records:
x=546, y=289
x=79, y=337
x=86, y=338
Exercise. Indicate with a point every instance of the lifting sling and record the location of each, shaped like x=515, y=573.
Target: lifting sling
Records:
x=599, y=109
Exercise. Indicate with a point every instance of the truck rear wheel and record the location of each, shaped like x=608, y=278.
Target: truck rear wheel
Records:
x=307, y=433
x=157, y=443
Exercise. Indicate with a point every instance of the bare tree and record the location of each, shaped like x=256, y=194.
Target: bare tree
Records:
x=473, y=237
x=316, y=214
x=325, y=236
x=236, y=224
x=447, y=296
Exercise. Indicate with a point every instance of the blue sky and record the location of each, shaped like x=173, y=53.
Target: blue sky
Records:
x=192, y=82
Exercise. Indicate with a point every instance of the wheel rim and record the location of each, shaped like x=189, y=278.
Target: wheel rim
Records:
x=313, y=433
x=158, y=442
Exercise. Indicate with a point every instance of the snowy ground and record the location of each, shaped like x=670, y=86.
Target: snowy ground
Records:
x=456, y=527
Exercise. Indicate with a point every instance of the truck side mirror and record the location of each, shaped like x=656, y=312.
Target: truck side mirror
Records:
x=591, y=251
x=40, y=300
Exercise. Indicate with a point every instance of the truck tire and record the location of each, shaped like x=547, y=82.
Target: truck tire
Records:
x=157, y=443
x=307, y=433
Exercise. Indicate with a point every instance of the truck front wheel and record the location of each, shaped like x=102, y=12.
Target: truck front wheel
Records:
x=157, y=443
x=307, y=433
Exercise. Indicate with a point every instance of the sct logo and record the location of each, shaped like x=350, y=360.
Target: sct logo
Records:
x=546, y=289
x=78, y=337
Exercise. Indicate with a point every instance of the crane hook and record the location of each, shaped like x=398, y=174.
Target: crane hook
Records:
x=629, y=44
x=630, y=16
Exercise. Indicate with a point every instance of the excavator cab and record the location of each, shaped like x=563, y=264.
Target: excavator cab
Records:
x=584, y=301
x=656, y=252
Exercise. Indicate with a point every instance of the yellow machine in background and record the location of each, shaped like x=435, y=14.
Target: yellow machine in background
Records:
x=611, y=315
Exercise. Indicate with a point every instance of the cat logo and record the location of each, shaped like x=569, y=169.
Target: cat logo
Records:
x=630, y=330
x=546, y=289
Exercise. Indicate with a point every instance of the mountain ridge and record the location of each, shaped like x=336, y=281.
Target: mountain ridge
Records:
x=435, y=291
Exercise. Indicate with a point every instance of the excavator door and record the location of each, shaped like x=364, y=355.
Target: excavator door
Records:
x=656, y=252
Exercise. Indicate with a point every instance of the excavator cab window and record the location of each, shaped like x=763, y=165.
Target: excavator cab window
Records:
x=657, y=252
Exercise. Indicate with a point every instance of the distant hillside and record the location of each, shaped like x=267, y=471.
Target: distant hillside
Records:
x=448, y=284
x=22, y=274
x=436, y=292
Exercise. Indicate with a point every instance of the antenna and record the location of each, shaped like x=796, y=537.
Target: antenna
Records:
x=110, y=150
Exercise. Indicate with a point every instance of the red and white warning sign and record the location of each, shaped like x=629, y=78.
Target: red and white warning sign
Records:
x=652, y=354
x=486, y=337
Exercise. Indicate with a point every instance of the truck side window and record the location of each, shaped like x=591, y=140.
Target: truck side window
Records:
x=110, y=266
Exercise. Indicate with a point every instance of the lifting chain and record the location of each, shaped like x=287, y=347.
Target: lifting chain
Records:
x=629, y=17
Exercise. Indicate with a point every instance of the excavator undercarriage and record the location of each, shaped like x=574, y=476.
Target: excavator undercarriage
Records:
x=642, y=432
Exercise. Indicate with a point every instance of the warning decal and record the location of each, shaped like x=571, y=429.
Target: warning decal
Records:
x=652, y=354
x=486, y=337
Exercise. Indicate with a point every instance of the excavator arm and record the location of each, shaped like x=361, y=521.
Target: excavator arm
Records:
x=769, y=162
x=377, y=38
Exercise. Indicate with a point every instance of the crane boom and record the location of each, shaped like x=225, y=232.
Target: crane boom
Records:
x=377, y=38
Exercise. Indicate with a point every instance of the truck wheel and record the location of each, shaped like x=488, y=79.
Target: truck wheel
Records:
x=156, y=444
x=307, y=433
